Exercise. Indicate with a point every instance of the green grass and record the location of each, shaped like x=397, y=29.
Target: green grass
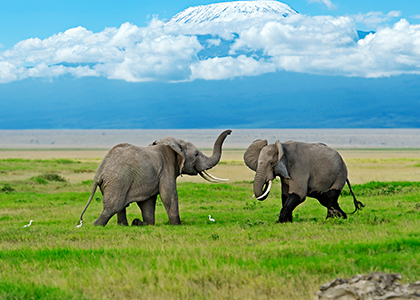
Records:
x=245, y=254
x=45, y=165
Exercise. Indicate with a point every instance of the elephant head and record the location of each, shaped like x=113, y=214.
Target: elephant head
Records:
x=268, y=161
x=192, y=161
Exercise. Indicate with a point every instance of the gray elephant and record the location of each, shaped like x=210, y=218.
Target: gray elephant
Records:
x=138, y=174
x=312, y=170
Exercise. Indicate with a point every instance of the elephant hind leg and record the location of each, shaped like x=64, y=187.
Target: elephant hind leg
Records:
x=107, y=214
x=148, y=208
x=114, y=203
x=103, y=218
x=122, y=217
x=330, y=201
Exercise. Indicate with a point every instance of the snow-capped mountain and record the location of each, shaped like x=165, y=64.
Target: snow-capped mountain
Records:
x=232, y=11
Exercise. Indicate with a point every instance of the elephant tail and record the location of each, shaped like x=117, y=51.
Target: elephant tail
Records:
x=357, y=204
x=95, y=185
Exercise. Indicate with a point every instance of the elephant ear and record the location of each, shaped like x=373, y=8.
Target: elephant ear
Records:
x=253, y=152
x=176, y=147
x=281, y=166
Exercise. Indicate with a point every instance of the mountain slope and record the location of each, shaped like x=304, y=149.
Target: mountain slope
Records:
x=233, y=11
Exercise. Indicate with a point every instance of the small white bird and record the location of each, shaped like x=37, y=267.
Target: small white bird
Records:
x=30, y=222
x=80, y=225
x=211, y=219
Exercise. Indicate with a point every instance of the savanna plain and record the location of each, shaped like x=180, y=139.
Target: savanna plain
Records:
x=243, y=254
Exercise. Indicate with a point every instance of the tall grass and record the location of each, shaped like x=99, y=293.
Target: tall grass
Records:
x=244, y=254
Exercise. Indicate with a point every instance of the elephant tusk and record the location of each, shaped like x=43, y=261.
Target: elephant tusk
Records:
x=214, y=177
x=267, y=191
x=207, y=178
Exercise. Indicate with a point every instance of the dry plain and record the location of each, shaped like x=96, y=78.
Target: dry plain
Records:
x=364, y=165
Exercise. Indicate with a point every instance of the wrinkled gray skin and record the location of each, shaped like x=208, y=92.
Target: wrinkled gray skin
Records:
x=138, y=174
x=312, y=170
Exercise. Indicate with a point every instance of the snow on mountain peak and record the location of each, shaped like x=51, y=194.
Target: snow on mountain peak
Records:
x=232, y=11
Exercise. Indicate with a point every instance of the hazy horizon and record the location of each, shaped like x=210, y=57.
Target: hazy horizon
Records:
x=204, y=138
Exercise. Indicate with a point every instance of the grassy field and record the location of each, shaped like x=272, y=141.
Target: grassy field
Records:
x=244, y=254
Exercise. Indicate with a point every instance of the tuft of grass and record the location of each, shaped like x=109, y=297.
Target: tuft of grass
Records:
x=78, y=171
x=7, y=188
x=44, y=178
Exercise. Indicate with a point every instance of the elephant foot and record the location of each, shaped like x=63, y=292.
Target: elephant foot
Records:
x=284, y=218
x=175, y=221
x=137, y=222
x=335, y=213
x=289, y=205
x=103, y=219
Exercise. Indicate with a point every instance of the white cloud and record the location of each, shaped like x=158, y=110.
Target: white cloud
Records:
x=320, y=45
x=317, y=45
x=374, y=18
x=214, y=42
x=229, y=67
x=327, y=3
x=307, y=36
x=7, y=72
x=129, y=53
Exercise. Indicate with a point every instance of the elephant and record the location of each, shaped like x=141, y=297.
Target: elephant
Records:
x=305, y=169
x=138, y=174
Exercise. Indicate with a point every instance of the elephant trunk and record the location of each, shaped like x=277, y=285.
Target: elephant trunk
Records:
x=261, y=187
x=210, y=162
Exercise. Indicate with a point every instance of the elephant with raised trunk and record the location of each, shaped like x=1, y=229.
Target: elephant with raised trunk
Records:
x=312, y=170
x=138, y=174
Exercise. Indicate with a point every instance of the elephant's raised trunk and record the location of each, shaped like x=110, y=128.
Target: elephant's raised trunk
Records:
x=210, y=162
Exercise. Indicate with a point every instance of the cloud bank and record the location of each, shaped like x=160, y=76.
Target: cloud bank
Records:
x=158, y=52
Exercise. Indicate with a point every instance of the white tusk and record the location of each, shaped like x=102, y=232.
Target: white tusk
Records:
x=266, y=191
x=207, y=178
x=214, y=177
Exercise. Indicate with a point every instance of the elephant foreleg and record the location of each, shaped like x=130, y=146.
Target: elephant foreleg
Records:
x=148, y=208
x=289, y=205
x=169, y=196
x=284, y=199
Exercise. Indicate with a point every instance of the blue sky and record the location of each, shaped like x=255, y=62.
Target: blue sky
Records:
x=114, y=64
